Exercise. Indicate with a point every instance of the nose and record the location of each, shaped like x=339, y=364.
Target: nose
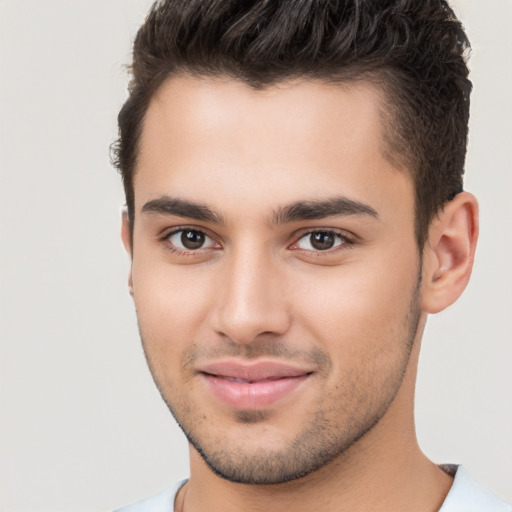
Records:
x=251, y=299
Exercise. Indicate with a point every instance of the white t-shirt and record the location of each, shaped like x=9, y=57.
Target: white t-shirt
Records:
x=465, y=496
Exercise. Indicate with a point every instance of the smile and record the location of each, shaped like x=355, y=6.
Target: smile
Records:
x=254, y=386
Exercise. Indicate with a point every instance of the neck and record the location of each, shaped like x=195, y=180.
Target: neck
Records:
x=384, y=471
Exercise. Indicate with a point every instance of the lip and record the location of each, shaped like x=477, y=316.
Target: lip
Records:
x=252, y=385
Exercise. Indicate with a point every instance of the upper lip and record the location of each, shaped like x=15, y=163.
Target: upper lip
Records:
x=253, y=370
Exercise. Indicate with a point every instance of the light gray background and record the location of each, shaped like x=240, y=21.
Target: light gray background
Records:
x=82, y=427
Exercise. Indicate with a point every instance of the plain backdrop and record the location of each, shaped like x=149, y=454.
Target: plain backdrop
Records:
x=82, y=426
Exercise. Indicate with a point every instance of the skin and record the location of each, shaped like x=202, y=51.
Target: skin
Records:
x=257, y=289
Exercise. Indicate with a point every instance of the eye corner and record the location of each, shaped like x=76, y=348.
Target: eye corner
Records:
x=321, y=240
x=189, y=241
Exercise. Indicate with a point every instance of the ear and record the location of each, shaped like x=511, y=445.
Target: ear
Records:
x=126, y=237
x=449, y=253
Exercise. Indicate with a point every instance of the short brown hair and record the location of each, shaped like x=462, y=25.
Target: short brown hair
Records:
x=415, y=49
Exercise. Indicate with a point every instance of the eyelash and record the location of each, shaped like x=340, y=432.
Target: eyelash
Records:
x=166, y=239
x=345, y=241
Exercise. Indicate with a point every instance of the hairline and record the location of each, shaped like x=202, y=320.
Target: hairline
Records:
x=394, y=150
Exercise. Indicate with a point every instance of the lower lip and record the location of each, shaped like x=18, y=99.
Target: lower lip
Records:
x=252, y=395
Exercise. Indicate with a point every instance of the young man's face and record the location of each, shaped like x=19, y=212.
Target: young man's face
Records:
x=275, y=270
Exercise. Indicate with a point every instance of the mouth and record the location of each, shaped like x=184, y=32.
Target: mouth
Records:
x=255, y=385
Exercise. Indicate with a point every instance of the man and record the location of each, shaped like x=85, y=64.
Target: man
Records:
x=293, y=177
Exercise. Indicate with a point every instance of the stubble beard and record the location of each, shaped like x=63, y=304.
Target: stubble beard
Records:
x=322, y=439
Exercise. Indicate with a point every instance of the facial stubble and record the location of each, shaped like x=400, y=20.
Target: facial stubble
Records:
x=321, y=440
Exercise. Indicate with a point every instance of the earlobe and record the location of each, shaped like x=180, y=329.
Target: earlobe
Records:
x=449, y=253
x=126, y=237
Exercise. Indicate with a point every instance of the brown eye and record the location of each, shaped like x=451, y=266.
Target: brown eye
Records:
x=190, y=240
x=320, y=241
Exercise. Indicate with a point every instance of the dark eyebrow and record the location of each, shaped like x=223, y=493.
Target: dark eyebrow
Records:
x=311, y=210
x=181, y=208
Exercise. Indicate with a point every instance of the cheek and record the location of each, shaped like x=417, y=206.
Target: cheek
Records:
x=171, y=303
x=358, y=312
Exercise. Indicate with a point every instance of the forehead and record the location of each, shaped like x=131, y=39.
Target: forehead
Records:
x=296, y=138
